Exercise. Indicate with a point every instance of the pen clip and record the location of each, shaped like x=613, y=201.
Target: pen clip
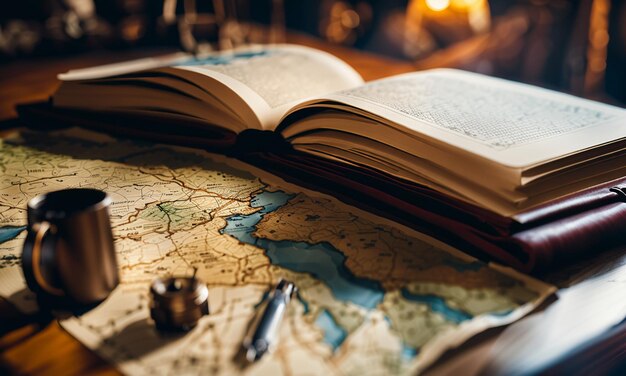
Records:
x=286, y=288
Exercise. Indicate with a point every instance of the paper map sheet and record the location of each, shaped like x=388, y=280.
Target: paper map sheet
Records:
x=373, y=298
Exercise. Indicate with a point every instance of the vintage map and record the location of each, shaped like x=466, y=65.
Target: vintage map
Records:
x=373, y=298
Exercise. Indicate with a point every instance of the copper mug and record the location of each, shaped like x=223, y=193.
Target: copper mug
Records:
x=68, y=253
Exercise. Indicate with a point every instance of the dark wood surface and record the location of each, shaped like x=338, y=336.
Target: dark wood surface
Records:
x=38, y=345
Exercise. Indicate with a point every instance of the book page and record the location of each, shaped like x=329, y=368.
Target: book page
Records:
x=513, y=124
x=272, y=79
x=269, y=79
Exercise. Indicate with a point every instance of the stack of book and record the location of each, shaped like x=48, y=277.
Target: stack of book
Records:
x=526, y=176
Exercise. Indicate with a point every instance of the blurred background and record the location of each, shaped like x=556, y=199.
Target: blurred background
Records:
x=576, y=46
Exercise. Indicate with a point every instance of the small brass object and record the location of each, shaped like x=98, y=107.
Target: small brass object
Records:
x=177, y=303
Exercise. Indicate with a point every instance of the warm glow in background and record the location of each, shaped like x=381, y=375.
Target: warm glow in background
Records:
x=577, y=46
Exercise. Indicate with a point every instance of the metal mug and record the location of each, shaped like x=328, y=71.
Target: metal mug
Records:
x=68, y=253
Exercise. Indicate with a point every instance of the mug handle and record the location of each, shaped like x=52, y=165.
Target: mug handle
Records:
x=42, y=229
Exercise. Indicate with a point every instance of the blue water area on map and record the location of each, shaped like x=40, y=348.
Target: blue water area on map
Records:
x=334, y=335
x=321, y=260
x=242, y=227
x=327, y=264
x=462, y=266
x=409, y=352
x=223, y=59
x=10, y=232
x=501, y=313
x=438, y=305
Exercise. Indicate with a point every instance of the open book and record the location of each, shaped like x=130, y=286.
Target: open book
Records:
x=501, y=145
x=491, y=144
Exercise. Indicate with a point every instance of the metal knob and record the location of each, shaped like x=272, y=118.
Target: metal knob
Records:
x=177, y=303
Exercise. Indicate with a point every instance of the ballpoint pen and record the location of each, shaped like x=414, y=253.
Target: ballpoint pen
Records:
x=263, y=331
